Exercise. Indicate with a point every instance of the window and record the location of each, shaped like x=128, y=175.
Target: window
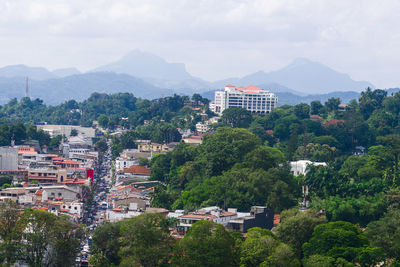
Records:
x=75, y=208
x=53, y=194
x=59, y=194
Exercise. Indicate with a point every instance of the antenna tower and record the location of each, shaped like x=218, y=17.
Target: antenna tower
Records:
x=26, y=87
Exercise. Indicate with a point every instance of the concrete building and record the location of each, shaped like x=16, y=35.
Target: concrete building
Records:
x=54, y=130
x=260, y=216
x=251, y=98
x=47, y=175
x=9, y=158
x=122, y=163
x=214, y=214
x=300, y=166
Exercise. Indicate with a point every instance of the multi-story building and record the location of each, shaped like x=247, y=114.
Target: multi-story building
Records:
x=8, y=158
x=251, y=98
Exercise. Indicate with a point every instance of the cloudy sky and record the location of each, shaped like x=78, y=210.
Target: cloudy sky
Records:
x=216, y=39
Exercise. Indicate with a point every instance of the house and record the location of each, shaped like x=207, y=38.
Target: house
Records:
x=260, y=216
x=125, y=162
x=214, y=214
x=137, y=171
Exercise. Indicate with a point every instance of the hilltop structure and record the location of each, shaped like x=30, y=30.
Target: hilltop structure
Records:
x=251, y=98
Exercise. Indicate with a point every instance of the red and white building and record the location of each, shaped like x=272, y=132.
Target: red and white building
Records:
x=251, y=98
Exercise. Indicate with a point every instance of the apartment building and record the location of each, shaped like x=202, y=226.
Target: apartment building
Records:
x=251, y=98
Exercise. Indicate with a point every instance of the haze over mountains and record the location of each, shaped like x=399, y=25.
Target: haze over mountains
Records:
x=150, y=76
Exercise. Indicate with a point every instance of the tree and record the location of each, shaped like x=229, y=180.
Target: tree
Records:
x=145, y=241
x=74, y=132
x=332, y=104
x=227, y=146
x=236, y=117
x=261, y=248
x=101, y=145
x=48, y=239
x=298, y=229
x=106, y=242
x=103, y=121
x=385, y=233
x=342, y=240
x=205, y=244
x=316, y=107
x=98, y=260
x=302, y=111
x=9, y=232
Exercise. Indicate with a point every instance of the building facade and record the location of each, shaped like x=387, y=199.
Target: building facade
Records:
x=251, y=98
x=8, y=158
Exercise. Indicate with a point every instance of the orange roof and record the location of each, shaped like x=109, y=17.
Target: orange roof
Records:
x=43, y=208
x=57, y=159
x=71, y=162
x=277, y=219
x=229, y=85
x=64, y=210
x=58, y=198
x=137, y=169
x=39, y=192
x=116, y=209
x=200, y=216
x=334, y=122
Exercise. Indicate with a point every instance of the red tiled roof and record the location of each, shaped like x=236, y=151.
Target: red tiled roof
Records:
x=64, y=210
x=39, y=192
x=229, y=85
x=270, y=132
x=200, y=216
x=116, y=209
x=71, y=162
x=334, y=122
x=277, y=219
x=43, y=208
x=138, y=170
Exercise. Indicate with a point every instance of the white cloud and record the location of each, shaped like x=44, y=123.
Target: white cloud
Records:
x=215, y=39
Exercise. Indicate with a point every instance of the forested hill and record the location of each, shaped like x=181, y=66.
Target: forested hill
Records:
x=119, y=109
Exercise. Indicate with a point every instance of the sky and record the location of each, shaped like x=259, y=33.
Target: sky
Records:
x=216, y=39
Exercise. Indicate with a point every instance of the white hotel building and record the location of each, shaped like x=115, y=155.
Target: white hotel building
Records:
x=251, y=98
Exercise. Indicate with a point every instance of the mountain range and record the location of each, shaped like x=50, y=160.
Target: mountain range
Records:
x=150, y=76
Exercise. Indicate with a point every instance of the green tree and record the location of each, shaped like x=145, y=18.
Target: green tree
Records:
x=385, y=233
x=332, y=104
x=298, y=229
x=103, y=121
x=316, y=107
x=74, y=132
x=98, y=260
x=9, y=232
x=261, y=248
x=145, y=241
x=101, y=145
x=236, y=117
x=48, y=239
x=106, y=242
x=205, y=244
x=342, y=240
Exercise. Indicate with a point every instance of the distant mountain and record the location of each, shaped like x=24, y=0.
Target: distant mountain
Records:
x=79, y=87
x=303, y=75
x=285, y=98
x=154, y=70
x=34, y=73
x=277, y=88
x=66, y=72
